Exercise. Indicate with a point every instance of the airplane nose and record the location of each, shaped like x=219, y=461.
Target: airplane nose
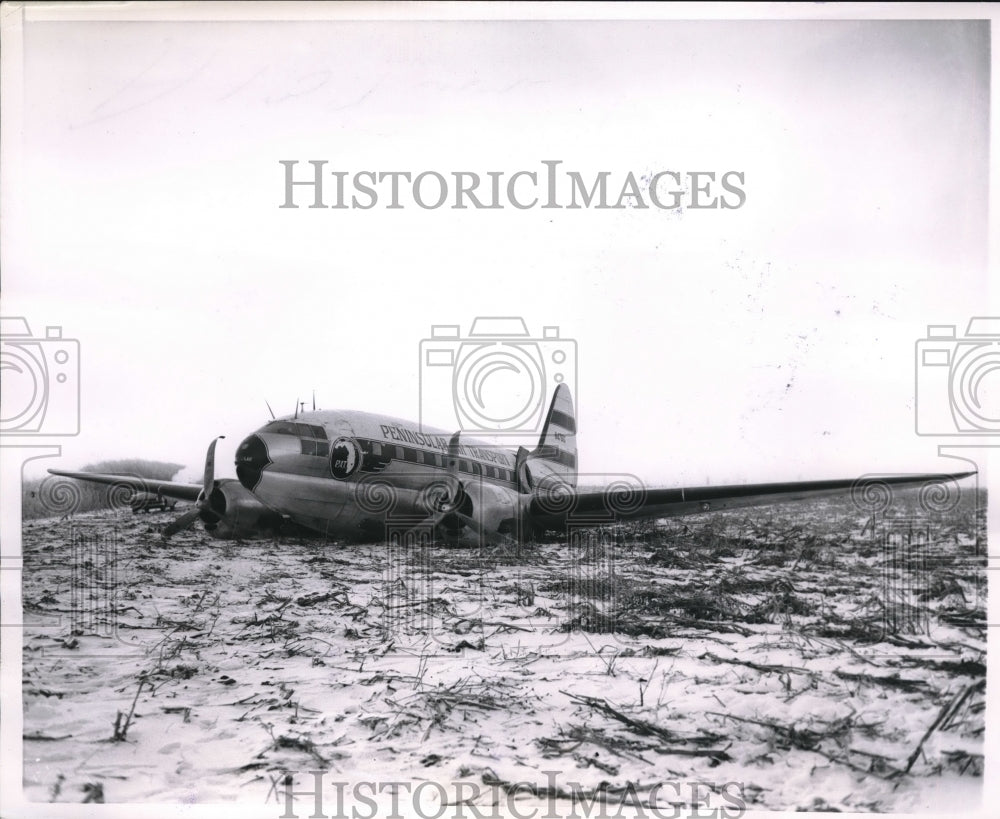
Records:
x=251, y=458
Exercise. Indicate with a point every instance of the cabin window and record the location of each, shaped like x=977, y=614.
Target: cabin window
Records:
x=310, y=447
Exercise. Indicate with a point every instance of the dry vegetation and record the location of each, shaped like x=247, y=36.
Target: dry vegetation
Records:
x=787, y=649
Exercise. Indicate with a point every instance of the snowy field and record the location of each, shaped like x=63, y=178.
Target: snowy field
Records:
x=793, y=657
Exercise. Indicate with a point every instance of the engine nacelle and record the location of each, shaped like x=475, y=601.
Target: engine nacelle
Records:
x=233, y=512
x=493, y=509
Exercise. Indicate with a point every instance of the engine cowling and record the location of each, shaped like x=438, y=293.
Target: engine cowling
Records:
x=234, y=513
x=482, y=511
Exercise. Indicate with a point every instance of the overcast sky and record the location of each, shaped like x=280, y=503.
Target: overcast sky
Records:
x=771, y=341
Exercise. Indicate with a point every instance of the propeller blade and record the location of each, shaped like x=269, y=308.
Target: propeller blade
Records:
x=453, y=455
x=209, y=480
x=491, y=537
x=471, y=522
x=181, y=523
x=201, y=507
x=521, y=470
x=430, y=522
x=455, y=487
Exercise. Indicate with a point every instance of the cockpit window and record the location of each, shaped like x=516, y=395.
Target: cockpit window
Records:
x=301, y=430
x=282, y=428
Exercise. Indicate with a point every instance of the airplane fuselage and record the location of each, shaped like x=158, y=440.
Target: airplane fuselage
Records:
x=348, y=473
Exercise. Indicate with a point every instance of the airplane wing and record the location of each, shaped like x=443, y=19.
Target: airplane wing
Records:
x=555, y=505
x=181, y=491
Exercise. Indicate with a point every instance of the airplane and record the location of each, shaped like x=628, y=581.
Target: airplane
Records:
x=360, y=476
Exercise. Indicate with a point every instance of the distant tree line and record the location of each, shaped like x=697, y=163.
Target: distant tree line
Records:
x=54, y=495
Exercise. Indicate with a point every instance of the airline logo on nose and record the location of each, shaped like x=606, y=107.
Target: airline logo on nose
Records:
x=345, y=458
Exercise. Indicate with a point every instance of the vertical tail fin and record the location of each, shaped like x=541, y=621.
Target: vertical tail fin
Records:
x=556, y=450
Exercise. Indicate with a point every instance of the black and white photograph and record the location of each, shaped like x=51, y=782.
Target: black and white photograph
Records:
x=497, y=410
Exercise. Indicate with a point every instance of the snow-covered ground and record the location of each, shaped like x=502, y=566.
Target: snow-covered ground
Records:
x=788, y=657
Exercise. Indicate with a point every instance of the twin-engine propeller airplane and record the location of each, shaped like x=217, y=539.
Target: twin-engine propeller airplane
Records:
x=355, y=475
